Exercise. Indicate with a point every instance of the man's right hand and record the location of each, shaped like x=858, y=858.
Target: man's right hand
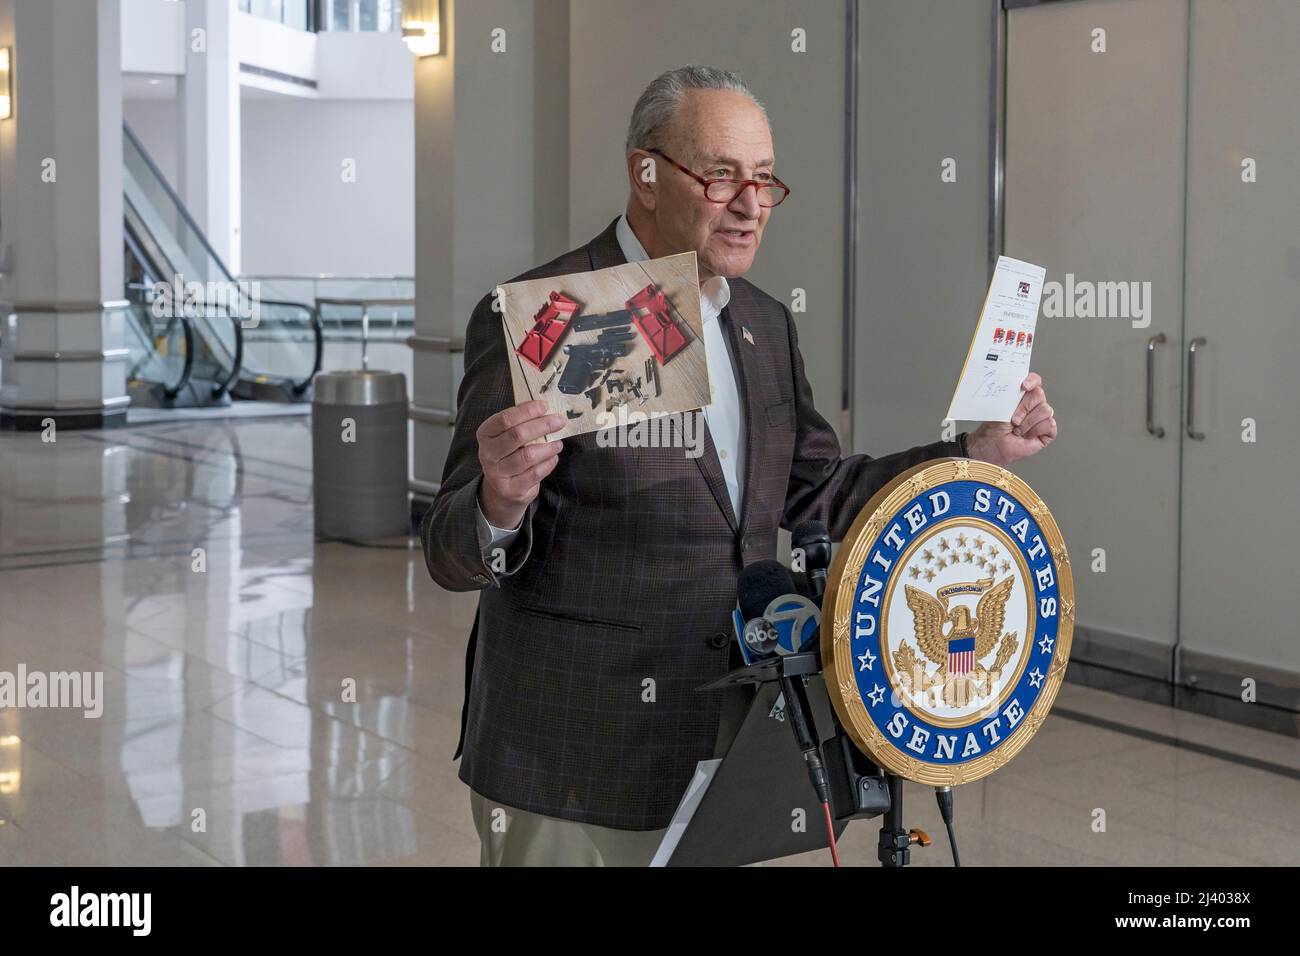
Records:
x=513, y=468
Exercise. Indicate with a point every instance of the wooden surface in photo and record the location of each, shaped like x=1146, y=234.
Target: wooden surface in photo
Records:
x=684, y=379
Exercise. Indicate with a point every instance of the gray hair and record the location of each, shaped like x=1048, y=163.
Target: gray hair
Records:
x=659, y=102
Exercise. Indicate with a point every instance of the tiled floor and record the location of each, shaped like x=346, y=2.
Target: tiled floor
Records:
x=225, y=738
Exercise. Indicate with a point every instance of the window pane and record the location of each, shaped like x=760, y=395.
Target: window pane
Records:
x=340, y=14
x=291, y=13
x=390, y=15
x=295, y=14
x=368, y=15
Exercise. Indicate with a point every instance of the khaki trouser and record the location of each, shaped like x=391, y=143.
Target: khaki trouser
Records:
x=513, y=837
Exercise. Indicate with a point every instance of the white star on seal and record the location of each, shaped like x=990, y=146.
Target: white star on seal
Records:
x=1045, y=645
x=1035, y=678
x=866, y=660
x=877, y=694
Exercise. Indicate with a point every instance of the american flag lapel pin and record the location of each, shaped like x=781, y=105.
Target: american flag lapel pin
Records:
x=745, y=332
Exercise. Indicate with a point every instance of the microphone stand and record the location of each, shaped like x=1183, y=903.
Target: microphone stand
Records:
x=864, y=790
x=870, y=791
x=840, y=774
x=895, y=844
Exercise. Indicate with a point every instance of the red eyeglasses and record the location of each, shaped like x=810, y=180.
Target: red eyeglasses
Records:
x=770, y=192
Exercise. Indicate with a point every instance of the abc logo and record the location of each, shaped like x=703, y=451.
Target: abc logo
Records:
x=796, y=620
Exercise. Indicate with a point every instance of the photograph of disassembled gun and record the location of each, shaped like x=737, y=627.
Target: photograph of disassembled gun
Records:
x=586, y=336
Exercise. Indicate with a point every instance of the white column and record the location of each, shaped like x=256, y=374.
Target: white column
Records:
x=63, y=354
x=208, y=157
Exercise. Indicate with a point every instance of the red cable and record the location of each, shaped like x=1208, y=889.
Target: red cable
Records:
x=830, y=835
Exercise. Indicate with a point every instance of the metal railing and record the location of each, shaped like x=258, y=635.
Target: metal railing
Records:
x=331, y=276
x=318, y=285
x=365, y=305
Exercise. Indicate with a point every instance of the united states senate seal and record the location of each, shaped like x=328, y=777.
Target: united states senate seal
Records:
x=947, y=620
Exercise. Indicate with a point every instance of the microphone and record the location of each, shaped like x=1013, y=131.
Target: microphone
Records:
x=814, y=540
x=760, y=584
x=768, y=585
x=774, y=618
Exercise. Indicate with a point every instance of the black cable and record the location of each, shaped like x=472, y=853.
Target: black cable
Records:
x=799, y=712
x=952, y=842
x=944, y=797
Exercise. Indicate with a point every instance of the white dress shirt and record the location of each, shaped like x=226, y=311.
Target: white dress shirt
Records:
x=723, y=415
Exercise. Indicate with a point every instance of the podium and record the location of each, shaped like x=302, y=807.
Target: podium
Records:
x=757, y=802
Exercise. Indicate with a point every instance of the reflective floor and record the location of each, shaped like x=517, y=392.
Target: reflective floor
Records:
x=271, y=701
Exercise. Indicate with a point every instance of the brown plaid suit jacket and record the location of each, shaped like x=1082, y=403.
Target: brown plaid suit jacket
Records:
x=625, y=571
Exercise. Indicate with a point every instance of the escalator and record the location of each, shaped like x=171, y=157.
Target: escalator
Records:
x=206, y=338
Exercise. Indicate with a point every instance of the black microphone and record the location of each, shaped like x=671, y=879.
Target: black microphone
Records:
x=760, y=584
x=814, y=540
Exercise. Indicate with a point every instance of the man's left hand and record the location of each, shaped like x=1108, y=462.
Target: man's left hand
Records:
x=1032, y=428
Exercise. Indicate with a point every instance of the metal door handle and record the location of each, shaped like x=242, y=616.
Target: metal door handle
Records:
x=1191, y=388
x=1152, y=427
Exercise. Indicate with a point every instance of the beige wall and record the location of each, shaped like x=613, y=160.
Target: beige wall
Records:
x=923, y=96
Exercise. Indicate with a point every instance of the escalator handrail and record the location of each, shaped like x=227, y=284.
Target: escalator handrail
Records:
x=318, y=333
x=319, y=328
x=187, y=367
x=176, y=200
x=187, y=329
x=238, y=363
x=221, y=388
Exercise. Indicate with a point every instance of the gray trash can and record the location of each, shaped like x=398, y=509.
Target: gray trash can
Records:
x=359, y=455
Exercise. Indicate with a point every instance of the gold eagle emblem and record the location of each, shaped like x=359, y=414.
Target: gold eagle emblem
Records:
x=930, y=616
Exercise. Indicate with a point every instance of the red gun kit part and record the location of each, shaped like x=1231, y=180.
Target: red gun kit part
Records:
x=549, y=325
x=656, y=325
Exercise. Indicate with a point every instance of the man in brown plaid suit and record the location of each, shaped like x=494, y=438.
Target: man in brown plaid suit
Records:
x=607, y=575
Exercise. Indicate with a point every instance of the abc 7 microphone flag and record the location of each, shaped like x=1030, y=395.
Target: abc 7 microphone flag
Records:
x=947, y=621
